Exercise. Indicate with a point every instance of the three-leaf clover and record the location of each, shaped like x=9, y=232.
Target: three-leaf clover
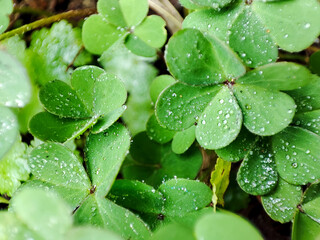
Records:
x=93, y=97
x=124, y=20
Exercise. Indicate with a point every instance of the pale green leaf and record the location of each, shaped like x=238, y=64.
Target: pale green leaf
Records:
x=134, y=11
x=6, y=9
x=183, y=140
x=158, y=85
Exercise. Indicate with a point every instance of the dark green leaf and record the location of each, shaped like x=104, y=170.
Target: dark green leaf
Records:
x=49, y=127
x=311, y=201
x=183, y=196
x=104, y=213
x=183, y=140
x=202, y=60
x=257, y=174
x=105, y=153
x=195, y=4
x=304, y=228
x=155, y=163
x=314, y=62
x=282, y=202
x=251, y=41
x=239, y=148
x=87, y=233
x=158, y=133
x=137, y=196
x=278, y=76
x=262, y=113
x=179, y=106
x=297, y=155
x=220, y=122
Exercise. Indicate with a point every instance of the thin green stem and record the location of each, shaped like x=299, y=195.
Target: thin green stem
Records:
x=174, y=23
x=46, y=21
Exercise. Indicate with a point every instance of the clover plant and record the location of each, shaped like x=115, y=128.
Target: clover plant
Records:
x=105, y=133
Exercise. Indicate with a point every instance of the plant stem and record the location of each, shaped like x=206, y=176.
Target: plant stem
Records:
x=46, y=21
x=174, y=21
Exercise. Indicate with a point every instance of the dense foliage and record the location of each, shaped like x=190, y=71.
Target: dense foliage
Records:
x=102, y=138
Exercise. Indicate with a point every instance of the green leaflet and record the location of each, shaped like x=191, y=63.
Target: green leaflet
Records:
x=309, y=120
x=311, y=201
x=282, y=202
x=297, y=155
x=179, y=106
x=257, y=174
x=6, y=9
x=220, y=122
x=262, y=113
x=315, y=63
x=202, y=60
x=103, y=213
x=304, y=228
x=105, y=153
x=47, y=215
x=195, y=4
x=13, y=168
x=183, y=140
x=49, y=127
x=251, y=41
x=213, y=226
x=283, y=76
x=159, y=84
x=15, y=90
x=9, y=130
x=173, y=231
x=157, y=132
x=86, y=233
x=155, y=163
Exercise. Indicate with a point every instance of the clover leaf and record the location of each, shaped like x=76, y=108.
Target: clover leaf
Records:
x=120, y=20
x=256, y=28
x=93, y=94
x=6, y=9
x=154, y=163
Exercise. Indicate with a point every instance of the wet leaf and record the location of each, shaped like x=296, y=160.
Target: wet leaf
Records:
x=159, y=84
x=13, y=168
x=250, y=39
x=158, y=133
x=111, y=11
x=105, y=153
x=225, y=225
x=304, y=228
x=137, y=196
x=15, y=87
x=220, y=122
x=105, y=214
x=292, y=24
x=307, y=97
x=257, y=174
x=9, y=130
x=138, y=47
x=107, y=120
x=281, y=204
x=55, y=164
x=195, y=4
x=6, y=9
x=46, y=214
x=239, y=148
x=309, y=121
x=278, y=76
x=215, y=22
x=179, y=106
x=154, y=163
x=101, y=92
x=297, y=155
x=183, y=140
x=152, y=30
x=311, y=200
x=183, y=196
x=51, y=52
x=220, y=180
x=262, y=113
x=49, y=127
x=201, y=61
x=99, y=35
